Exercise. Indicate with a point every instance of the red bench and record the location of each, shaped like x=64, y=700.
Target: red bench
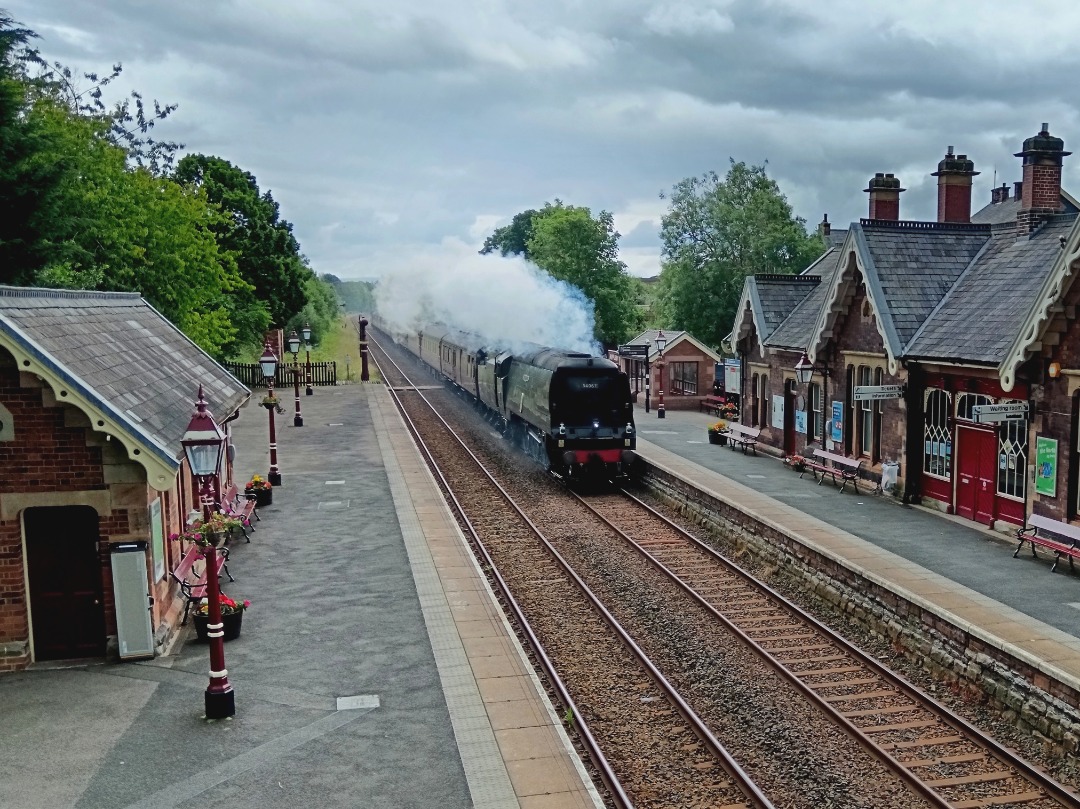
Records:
x=831, y=464
x=1037, y=523
x=243, y=508
x=711, y=404
x=192, y=580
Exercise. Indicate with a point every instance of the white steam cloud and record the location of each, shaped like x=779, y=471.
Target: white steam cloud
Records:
x=506, y=301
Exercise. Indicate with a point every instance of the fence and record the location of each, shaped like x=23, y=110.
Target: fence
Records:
x=322, y=373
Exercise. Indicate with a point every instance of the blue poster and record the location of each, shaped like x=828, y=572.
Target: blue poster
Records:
x=837, y=421
x=800, y=421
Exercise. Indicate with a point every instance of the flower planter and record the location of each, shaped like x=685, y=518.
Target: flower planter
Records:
x=231, y=622
x=717, y=438
x=263, y=497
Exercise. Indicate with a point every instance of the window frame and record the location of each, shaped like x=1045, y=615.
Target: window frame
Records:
x=938, y=406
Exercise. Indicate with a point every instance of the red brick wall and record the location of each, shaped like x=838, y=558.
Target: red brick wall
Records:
x=1042, y=186
x=46, y=457
x=954, y=201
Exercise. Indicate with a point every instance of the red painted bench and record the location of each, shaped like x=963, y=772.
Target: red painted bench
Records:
x=831, y=464
x=192, y=579
x=241, y=507
x=711, y=404
x=1037, y=523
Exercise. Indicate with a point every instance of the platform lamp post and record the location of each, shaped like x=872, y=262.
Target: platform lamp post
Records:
x=268, y=363
x=306, y=331
x=204, y=444
x=363, y=349
x=294, y=348
x=661, y=344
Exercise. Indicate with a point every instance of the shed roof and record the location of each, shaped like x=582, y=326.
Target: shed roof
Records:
x=119, y=360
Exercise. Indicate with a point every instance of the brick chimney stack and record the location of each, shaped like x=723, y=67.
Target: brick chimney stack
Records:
x=954, y=175
x=884, y=191
x=824, y=227
x=999, y=194
x=1041, y=189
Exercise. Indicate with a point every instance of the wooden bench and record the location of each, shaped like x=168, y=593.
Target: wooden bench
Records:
x=739, y=435
x=711, y=404
x=831, y=464
x=241, y=507
x=1032, y=533
x=193, y=581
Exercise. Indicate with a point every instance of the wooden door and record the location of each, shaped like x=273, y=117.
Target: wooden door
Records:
x=976, y=469
x=789, y=417
x=66, y=606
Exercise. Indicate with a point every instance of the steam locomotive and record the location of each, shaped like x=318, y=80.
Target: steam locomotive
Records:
x=569, y=410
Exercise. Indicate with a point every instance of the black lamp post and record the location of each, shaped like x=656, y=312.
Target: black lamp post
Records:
x=294, y=347
x=661, y=344
x=363, y=349
x=268, y=363
x=204, y=444
x=307, y=344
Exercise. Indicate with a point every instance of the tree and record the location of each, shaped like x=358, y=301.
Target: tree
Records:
x=569, y=244
x=715, y=233
x=513, y=239
x=267, y=254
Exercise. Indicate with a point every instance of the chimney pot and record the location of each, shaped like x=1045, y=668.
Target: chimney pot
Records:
x=1040, y=190
x=954, y=173
x=884, y=190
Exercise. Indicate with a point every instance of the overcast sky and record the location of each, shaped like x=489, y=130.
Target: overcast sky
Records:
x=391, y=132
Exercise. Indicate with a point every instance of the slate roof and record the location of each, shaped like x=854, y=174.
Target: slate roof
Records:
x=836, y=238
x=910, y=266
x=120, y=355
x=1000, y=213
x=775, y=296
x=798, y=328
x=982, y=314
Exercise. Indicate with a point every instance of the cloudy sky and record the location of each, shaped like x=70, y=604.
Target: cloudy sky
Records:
x=401, y=132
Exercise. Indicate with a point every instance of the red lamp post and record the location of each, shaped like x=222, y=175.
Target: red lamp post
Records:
x=268, y=363
x=307, y=344
x=204, y=444
x=661, y=344
x=294, y=347
x=363, y=349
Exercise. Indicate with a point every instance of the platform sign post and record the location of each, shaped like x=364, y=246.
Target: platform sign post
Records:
x=640, y=352
x=877, y=393
x=1006, y=411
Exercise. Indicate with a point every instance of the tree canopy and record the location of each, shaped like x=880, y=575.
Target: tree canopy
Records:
x=85, y=203
x=571, y=245
x=512, y=239
x=716, y=232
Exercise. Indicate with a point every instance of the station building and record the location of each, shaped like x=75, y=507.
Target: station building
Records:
x=96, y=391
x=945, y=318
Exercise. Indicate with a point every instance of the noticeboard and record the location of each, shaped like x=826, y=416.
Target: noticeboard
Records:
x=1046, y=466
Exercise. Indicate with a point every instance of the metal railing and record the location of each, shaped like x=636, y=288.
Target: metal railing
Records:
x=249, y=373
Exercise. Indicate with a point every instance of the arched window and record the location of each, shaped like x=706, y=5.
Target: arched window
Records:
x=937, y=439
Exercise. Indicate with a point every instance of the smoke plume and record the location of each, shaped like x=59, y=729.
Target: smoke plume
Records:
x=506, y=301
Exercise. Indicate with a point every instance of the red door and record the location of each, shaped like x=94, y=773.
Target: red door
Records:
x=789, y=417
x=976, y=469
x=64, y=571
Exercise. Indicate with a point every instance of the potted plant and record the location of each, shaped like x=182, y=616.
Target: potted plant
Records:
x=717, y=432
x=796, y=462
x=232, y=617
x=259, y=490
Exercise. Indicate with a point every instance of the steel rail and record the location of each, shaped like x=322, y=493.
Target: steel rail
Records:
x=599, y=760
x=992, y=747
x=730, y=765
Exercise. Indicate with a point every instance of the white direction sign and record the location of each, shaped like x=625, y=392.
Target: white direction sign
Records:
x=1009, y=411
x=873, y=393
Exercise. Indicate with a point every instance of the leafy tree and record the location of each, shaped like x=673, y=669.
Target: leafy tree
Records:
x=513, y=239
x=357, y=296
x=715, y=233
x=572, y=246
x=267, y=254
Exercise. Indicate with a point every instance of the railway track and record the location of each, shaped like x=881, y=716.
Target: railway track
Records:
x=936, y=752
x=930, y=753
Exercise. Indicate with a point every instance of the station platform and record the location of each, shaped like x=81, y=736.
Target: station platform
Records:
x=374, y=666
x=953, y=568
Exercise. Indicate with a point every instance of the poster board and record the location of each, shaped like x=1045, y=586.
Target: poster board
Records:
x=800, y=421
x=837, y=422
x=777, y=414
x=1046, y=466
